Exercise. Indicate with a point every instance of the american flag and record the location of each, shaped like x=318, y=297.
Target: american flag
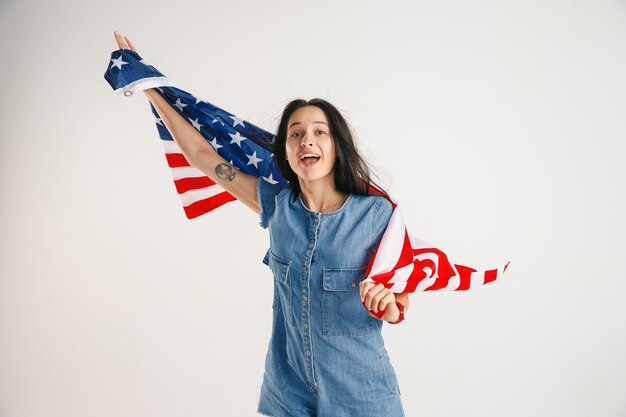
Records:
x=244, y=145
x=401, y=263
x=407, y=264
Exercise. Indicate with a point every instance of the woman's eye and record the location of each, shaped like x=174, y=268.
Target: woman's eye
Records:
x=295, y=135
x=321, y=132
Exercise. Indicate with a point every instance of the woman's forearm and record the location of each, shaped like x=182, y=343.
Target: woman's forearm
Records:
x=201, y=155
x=187, y=137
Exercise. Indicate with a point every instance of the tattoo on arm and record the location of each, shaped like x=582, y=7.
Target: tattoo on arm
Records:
x=225, y=172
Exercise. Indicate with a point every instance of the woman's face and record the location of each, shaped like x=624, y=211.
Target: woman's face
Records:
x=310, y=147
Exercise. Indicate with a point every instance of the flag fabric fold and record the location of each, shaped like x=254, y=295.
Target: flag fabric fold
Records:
x=244, y=145
x=400, y=263
x=404, y=263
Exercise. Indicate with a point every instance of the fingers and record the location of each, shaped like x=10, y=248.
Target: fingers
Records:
x=361, y=289
x=376, y=297
x=123, y=42
x=364, y=287
x=381, y=300
x=132, y=47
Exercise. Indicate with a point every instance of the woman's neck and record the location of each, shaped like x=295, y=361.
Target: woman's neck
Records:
x=322, y=198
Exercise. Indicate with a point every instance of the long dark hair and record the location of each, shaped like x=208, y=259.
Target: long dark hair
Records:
x=352, y=173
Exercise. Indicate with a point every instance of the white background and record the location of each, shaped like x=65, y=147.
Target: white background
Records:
x=498, y=125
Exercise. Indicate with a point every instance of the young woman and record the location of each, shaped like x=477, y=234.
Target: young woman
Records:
x=326, y=356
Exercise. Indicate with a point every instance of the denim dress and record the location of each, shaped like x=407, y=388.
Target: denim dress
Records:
x=326, y=355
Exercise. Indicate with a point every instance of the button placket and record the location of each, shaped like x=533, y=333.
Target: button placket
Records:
x=306, y=306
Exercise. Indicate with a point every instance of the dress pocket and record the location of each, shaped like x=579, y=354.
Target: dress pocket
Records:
x=342, y=311
x=391, y=381
x=280, y=270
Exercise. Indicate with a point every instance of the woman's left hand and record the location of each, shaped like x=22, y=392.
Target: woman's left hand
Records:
x=377, y=298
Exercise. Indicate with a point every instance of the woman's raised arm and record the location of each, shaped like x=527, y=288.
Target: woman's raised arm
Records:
x=198, y=152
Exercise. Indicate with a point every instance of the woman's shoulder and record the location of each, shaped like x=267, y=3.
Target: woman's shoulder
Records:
x=268, y=196
x=371, y=213
x=267, y=189
x=373, y=202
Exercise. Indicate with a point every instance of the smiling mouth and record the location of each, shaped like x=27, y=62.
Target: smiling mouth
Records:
x=309, y=159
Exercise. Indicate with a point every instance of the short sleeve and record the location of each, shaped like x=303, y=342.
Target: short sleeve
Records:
x=380, y=218
x=267, y=200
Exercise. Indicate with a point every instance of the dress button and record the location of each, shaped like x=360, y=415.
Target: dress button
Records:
x=305, y=298
x=306, y=326
x=316, y=220
x=306, y=271
x=308, y=353
x=311, y=245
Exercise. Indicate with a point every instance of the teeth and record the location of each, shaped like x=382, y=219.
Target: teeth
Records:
x=309, y=154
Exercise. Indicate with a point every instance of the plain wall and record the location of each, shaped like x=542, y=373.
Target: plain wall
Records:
x=498, y=125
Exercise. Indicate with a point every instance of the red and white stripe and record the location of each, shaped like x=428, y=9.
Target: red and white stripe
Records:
x=199, y=193
x=405, y=264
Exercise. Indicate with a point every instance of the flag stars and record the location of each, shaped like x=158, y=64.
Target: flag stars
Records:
x=214, y=144
x=237, y=121
x=237, y=138
x=270, y=179
x=158, y=120
x=179, y=104
x=195, y=123
x=118, y=62
x=218, y=120
x=253, y=160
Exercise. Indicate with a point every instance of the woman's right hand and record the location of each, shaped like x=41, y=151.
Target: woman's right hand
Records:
x=123, y=42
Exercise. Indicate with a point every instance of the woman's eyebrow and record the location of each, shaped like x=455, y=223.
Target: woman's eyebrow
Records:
x=299, y=123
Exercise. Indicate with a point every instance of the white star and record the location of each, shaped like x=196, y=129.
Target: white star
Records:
x=237, y=121
x=195, y=123
x=237, y=138
x=217, y=119
x=157, y=121
x=253, y=160
x=270, y=179
x=180, y=104
x=214, y=143
x=200, y=100
x=118, y=62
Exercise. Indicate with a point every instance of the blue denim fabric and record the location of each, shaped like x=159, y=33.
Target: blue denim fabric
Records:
x=326, y=356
